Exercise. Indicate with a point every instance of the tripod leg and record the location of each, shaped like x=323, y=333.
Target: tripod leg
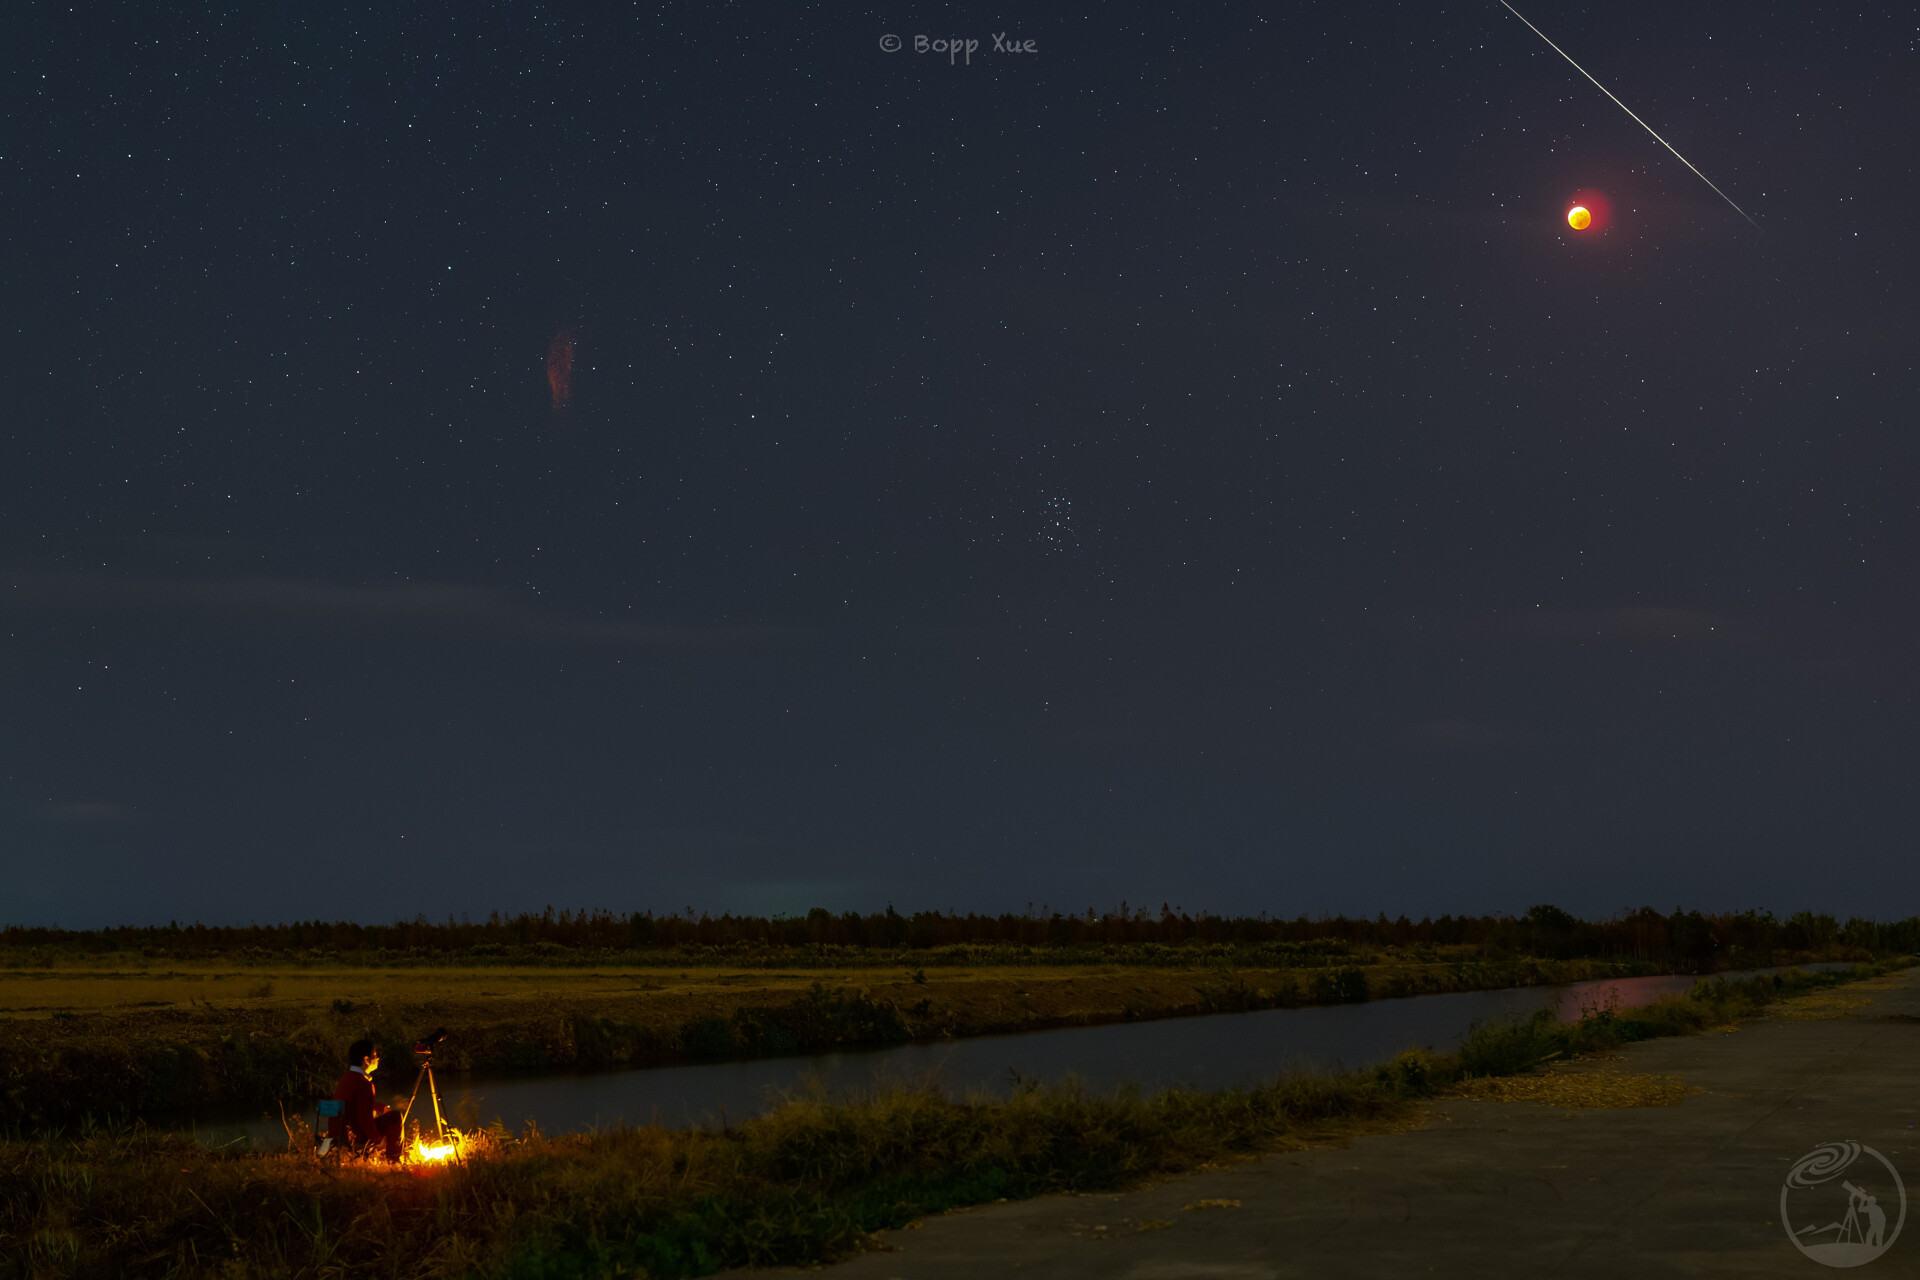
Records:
x=439, y=1126
x=410, y=1097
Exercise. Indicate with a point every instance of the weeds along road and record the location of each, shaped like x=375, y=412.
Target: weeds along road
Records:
x=1500, y=1188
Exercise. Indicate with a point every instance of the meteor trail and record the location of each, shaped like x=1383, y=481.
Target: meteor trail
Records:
x=1629, y=110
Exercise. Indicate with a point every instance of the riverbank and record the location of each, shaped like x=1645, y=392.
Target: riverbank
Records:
x=103, y=1039
x=805, y=1184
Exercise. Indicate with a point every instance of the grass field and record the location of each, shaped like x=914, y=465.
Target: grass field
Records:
x=998, y=993
x=803, y=1185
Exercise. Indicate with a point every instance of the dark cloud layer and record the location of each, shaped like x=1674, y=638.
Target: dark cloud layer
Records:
x=441, y=609
x=1620, y=624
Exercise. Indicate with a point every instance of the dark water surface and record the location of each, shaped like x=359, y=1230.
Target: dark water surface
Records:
x=1213, y=1052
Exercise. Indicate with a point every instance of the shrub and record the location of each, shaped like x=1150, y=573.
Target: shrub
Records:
x=710, y=1037
x=1347, y=985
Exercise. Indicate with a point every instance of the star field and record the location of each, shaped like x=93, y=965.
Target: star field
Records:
x=661, y=454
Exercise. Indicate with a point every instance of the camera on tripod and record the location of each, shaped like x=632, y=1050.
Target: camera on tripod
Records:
x=425, y=1046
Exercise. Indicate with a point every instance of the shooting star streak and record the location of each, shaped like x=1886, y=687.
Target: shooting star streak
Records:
x=1629, y=110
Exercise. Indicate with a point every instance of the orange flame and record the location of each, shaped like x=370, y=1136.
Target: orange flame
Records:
x=437, y=1151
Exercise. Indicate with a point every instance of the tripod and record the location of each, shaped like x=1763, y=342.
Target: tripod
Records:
x=1850, y=1228
x=426, y=1074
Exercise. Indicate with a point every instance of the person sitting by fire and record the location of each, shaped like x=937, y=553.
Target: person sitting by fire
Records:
x=363, y=1121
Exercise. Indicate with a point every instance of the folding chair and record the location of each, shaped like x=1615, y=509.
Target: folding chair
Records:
x=326, y=1109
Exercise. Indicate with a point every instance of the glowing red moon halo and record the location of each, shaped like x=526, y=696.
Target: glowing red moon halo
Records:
x=1588, y=211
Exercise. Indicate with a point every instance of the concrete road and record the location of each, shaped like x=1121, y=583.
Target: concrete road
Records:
x=1508, y=1188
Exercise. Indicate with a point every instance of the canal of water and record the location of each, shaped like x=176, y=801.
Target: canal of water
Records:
x=1212, y=1052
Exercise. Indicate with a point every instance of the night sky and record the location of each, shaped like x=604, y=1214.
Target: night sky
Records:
x=471, y=456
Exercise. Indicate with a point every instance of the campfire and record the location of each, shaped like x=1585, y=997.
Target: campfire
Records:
x=430, y=1149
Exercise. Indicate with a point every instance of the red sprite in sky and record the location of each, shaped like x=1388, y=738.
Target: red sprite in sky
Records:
x=560, y=368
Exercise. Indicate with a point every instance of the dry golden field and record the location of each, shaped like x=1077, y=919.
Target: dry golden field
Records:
x=44, y=992
x=965, y=1002
x=970, y=1001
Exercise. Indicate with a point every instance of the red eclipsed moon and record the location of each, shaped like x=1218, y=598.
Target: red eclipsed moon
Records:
x=560, y=368
x=1589, y=211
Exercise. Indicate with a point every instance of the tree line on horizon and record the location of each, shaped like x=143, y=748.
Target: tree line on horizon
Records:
x=1544, y=930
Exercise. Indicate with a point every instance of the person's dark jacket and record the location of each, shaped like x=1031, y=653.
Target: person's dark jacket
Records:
x=360, y=1117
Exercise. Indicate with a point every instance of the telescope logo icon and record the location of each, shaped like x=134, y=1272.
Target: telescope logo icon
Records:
x=1849, y=1202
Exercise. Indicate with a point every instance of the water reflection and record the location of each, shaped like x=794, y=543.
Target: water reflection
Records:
x=1220, y=1051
